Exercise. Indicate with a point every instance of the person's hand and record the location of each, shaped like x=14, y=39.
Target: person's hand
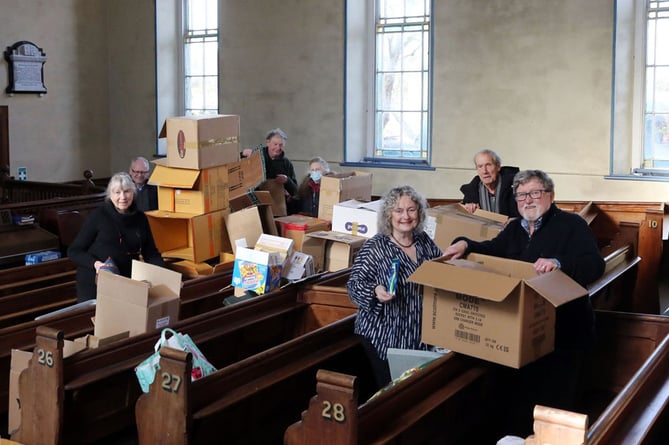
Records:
x=98, y=265
x=456, y=250
x=506, y=223
x=545, y=265
x=281, y=179
x=247, y=152
x=382, y=294
x=471, y=207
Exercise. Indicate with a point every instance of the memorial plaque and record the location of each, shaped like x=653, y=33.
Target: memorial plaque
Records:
x=26, y=74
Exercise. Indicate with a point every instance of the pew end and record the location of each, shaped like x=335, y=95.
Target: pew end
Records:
x=170, y=391
x=558, y=427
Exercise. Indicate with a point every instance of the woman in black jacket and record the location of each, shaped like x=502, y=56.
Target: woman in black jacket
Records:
x=115, y=231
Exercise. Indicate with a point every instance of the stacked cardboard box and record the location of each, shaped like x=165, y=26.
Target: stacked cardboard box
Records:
x=198, y=183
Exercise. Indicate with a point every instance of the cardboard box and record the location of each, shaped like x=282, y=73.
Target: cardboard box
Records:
x=296, y=227
x=445, y=223
x=492, y=308
x=273, y=243
x=148, y=300
x=278, y=194
x=203, y=141
x=190, y=191
x=332, y=251
x=244, y=224
x=256, y=270
x=193, y=270
x=190, y=237
x=343, y=187
x=245, y=176
x=356, y=217
x=301, y=265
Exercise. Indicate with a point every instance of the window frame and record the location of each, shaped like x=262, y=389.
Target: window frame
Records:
x=628, y=95
x=359, y=89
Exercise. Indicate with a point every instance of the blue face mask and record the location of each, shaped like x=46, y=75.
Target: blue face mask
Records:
x=316, y=176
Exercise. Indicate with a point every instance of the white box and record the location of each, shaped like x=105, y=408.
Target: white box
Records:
x=356, y=217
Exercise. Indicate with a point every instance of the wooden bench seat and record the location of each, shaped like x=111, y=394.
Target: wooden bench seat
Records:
x=198, y=296
x=35, y=272
x=99, y=386
x=233, y=404
x=462, y=408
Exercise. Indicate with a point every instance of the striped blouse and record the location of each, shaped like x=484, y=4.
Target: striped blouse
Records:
x=396, y=324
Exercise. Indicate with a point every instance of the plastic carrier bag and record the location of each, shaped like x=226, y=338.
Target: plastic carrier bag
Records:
x=146, y=371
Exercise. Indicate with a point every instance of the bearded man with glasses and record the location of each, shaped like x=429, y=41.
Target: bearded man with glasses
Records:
x=147, y=194
x=551, y=239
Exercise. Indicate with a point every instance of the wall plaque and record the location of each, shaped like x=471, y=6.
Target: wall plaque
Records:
x=26, y=68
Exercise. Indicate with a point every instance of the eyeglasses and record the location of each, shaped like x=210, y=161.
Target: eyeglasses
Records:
x=139, y=172
x=534, y=194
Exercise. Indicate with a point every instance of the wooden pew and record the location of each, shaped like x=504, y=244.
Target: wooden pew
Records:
x=617, y=224
x=463, y=408
x=100, y=386
x=197, y=296
x=35, y=272
x=233, y=405
x=638, y=414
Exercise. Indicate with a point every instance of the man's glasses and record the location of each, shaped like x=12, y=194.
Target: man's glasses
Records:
x=139, y=172
x=534, y=194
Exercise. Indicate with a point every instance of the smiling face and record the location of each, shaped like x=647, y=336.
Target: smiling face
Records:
x=275, y=146
x=139, y=171
x=533, y=208
x=122, y=199
x=404, y=216
x=487, y=170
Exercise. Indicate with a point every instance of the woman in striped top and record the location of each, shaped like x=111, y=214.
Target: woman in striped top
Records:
x=388, y=319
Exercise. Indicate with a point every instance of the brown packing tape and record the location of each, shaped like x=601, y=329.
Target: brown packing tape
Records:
x=354, y=229
x=211, y=142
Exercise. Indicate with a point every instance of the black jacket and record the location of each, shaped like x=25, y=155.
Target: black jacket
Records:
x=507, y=203
x=279, y=166
x=108, y=233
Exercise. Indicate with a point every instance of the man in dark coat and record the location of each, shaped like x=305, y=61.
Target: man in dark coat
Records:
x=490, y=189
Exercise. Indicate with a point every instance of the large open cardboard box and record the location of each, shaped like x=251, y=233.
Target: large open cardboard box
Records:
x=445, y=223
x=148, y=300
x=190, y=191
x=190, y=237
x=355, y=217
x=492, y=308
x=203, y=141
x=342, y=187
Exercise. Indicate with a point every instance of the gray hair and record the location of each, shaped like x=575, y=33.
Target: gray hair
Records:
x=276, y=132
x=323, y=162
x=392, y=198
x=123, y=181
x=140, y=158
x=525, y=176
x=487, y=151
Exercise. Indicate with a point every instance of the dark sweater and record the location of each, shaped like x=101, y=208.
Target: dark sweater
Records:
x=107, y=233
x=279, y=166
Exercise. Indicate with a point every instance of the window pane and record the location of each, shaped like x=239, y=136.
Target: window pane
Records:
x=210, y=58
x=211, y=92
x=402, y=78
x=662, y=49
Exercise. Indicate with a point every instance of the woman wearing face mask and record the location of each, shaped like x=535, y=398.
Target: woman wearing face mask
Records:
x=310, y=188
